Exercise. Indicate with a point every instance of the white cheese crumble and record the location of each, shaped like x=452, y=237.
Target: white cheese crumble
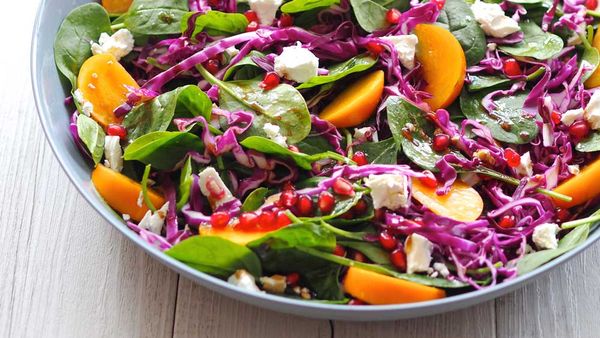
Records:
x=87, y=108
x=573, y=169
x=405, y=46
x=388, y=190
x=492, y=46
x=154, y=222
x=592, y=111
x=418, y=253
x=296, y=63
x=213, y=187
x=492, y=19
x=544, y=236
x=273, y=132
x=525, y=168
x=113, y=153
x=243, y=279
x=442, y=269
x=126, y=217
x=570, y=116
x=119, y=44
x=265, y=10
x=470, y=178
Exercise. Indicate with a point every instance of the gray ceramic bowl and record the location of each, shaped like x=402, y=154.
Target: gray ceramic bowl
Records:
x=49, y=95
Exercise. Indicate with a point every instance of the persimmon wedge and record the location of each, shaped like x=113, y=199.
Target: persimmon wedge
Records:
x=581, y=187
x=443, y=62
x=122, y=193
x=116, y=6
x=594, y=80
x=105, y=84
x=356, y=103
x=461, y=203
x=378, y=289
x=238, y=237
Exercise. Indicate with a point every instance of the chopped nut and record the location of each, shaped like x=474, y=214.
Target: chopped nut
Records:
x=305, y=293
x=274, y=284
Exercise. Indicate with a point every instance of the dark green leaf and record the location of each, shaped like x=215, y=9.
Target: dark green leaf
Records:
x=459, y=19
x=185, y=184
x=314, y=145
x=356, y=64
x=479, y=82
x=156, y=17
x=297, y=6
x=590, y=59
x=369, y=14
x=255, y=199
x=216, y=256
x=536, y=43
x=383, y=152
x=246, y=66
x=72, y=43
x=163, y=149
x=341, y=207
x=217, y=23
x=92, y=136
x=589, y=144
x=373, y=252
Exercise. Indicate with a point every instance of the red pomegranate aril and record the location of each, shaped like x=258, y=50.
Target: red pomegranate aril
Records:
x=285, y=20
x=267, y=220
x=270, y=81
x=591, y=4
x=292, y=278
x=251, y=16
x=387, y=241
x=293, y=148
x=556, y=117
x=212, y=66
x=283, y=219
x=360, y=208
x=380, y=215
x=579, y=129
x=355, y=301
x=343, y=187
x=441, y=142
x=348, y=215
x=213, y=3
x=359, y=257
x=392, y=16
x=247, y=221
x=252, y=26
x=513, y=159
x=507, y=222
x=288, y=186
x=429, y=180
x=117, y=130
x=375, y=48
x=339, y=250
x=511, y=68
x=326, y=202
x=288, y=198
x=360, y=158
x=440, y=3
x=563, y=215
x=304, y=205
x=219, y=220
x=398, y=259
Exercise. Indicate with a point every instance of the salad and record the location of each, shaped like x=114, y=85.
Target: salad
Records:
x=342, y=151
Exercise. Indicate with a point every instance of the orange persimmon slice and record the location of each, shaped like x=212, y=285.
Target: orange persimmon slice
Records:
x=581, y=187
x=116, y=6
x=461, y=203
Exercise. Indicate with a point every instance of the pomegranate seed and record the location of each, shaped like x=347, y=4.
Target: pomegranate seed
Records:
x=441, y=142
x=563, y=215
x=355, y=301
x=288, y=198
x=247, y=221
x=342, y=186
x=512, y=157
x=380, y=215
x=360, y=158
x=440, y=3
x=360, y=208
x=348, y=215
x=326, y=202
x=251, y=16
x=507, y=222
x=267, y=220
x=579, y=129
x=219, y=220
x=270, y=81
x=288, y=186
x=293, y=148
x=282, y=219
x=387, y=241
x=555, y=117
x=511, y=68
x=392, y=16
x=117, y=130
x=398, y=259
x=339, y=250
x=591, y=4
x=285, y=20
x=304, y=205
x=375, y=48
x=252, y=26
x=213, y=3
x=292, y=278
x=429, y=180
x=212, y=66
x=359, y=257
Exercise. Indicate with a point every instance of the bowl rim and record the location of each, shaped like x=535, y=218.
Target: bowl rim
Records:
x=273, y=302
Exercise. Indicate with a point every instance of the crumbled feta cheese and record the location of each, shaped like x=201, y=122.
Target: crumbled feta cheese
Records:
x=388, y=190
x=213, y=187
x=273, y=132
x=243, y=279
x=418, y=253
x=492, y=46
x=265, y=10
x=492, y=19
x=442, y=269
x=113, y=153
x=573, y=169
x=154, y=222
x=126, y=217
x=405, y=47
x=544, y=236
x=119, y=44
x=592, y=111
x=78, y=96
x=296, y=63
x=570, y=116
x=274, y=284
x=87, y=108
x=525, y=168
x=470, y=178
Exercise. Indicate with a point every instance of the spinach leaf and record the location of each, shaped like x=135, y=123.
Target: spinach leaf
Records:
x=185, y=184
x=216, y=23
x=163, y=149
x=479, y=82
x=460, y=21
x=215, y=256
x=507, y=123
x=589, y=144
x=383, y=152
x=373, y=252
x=369, y=14
x=245, y=69
x=155, y=17
x=157, y=114
x=255, y=199
x=297, y=6
x=278, y=253
x=314, y=145
x=304, y=161
x=72, y=43
x=536, y=43
x=92, y=136
x=533, y=260
x=589, y=59
x=341, y=207
x=356, y=64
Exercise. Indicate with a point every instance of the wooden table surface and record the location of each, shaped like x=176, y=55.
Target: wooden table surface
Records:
x=65, y=272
